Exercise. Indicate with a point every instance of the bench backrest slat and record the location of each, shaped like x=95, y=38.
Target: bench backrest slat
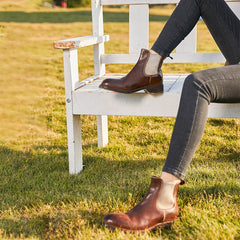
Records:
x=139, y=2
x=138, y=27
x=189, y=44
x=97, y=25
x=235, y=6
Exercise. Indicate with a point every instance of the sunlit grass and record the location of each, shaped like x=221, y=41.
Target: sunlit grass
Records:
x=38, y=197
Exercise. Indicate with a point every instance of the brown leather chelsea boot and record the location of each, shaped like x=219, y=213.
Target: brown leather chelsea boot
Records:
x=137, y=79
x=157, y=209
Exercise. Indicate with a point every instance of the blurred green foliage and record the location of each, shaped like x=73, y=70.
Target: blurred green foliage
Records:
x=78, y=3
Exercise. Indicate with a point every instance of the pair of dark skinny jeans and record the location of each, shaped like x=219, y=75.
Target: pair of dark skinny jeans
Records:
x=220, y=84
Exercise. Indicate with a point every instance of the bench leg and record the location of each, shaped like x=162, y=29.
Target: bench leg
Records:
x=102, y=130
x=74, y=144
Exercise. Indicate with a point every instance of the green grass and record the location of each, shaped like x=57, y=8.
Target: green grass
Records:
x=38, y=198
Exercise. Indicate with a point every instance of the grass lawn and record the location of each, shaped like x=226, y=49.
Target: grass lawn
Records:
x=38, y=198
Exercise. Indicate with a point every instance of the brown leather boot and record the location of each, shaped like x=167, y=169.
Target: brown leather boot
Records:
x=137, y=79
x=157, y=209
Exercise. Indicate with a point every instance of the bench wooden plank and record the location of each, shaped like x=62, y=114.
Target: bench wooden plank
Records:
x=71, y=77
x=177, y=58
x=138, y=37
x=140, y=104
x=235, y=7
x=79, y=42
x=138, y=2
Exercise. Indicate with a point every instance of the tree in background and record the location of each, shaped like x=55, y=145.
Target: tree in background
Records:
x=78, y=3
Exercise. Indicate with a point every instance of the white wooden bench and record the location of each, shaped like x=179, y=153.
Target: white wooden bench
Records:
x=86, y=98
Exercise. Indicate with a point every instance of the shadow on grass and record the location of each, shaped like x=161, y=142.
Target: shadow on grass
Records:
x=68, y=17
x=30, y=178
x=221, y=122
x=49, y=227
x=41, y=175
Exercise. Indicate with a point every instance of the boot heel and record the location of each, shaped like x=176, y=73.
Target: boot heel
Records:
x=154, y=89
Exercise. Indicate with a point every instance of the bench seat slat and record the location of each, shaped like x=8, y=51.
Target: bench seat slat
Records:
x=90, y=99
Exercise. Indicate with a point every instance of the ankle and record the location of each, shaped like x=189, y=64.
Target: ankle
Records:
x=153, y=52
x=167, y=177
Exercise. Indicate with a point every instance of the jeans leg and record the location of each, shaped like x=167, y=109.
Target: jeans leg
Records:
x=213, y=85
x=224, y=26
x=179, y=25
x=219, y=18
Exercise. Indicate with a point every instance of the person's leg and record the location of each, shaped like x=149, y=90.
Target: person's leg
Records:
x=224, y=27
x=212, y=85
x=179, y=25
x=159, y=206
x=219, y=18
x=222, y=23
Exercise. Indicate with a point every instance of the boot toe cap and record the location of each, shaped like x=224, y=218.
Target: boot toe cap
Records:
x=119, y=220
x=109, y=83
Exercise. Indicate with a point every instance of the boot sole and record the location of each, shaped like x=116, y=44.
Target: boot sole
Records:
x=148, y=89
x=167, y=225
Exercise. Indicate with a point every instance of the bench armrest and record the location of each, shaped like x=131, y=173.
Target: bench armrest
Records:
x=80, y=42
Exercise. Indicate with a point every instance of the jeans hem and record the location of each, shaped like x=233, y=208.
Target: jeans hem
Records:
x=160, y=52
